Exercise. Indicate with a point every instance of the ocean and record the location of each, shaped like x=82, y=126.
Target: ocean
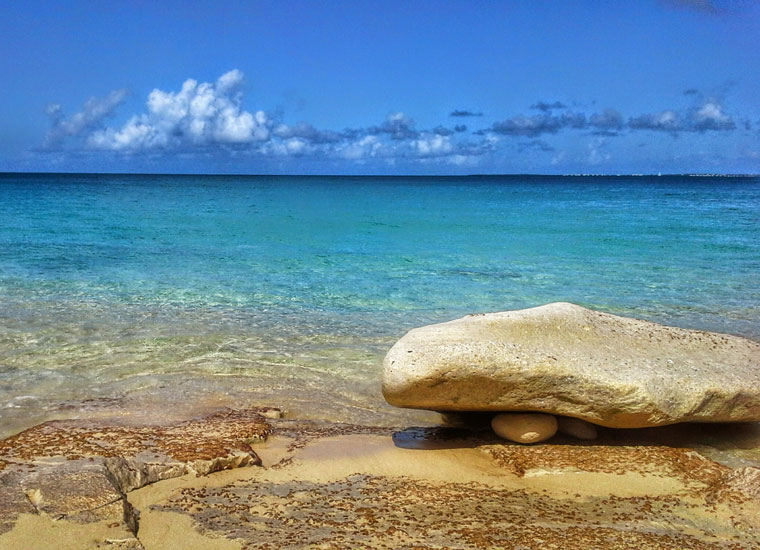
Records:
x=169, y=293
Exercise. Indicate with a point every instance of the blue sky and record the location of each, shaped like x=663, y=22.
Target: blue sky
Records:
x=411, y=87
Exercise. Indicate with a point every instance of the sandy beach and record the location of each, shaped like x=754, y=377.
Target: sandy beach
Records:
x=332, y=485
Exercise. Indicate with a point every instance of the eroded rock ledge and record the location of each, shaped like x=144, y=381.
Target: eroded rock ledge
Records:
x=82, y=470
x=349, y=486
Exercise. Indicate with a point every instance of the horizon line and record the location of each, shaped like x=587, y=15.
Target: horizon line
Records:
x=474, y=175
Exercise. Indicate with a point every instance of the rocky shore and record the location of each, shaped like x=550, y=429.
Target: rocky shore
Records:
x=607, y=456
x=249, y=479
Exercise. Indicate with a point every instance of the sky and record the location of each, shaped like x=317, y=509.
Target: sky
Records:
x=381, y=87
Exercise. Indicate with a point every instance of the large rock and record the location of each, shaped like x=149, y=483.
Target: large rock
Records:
x=567, y=360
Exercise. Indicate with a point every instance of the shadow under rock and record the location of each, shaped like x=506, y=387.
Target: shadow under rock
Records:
x=470, y=430
x=425, y=439
x=739, y=435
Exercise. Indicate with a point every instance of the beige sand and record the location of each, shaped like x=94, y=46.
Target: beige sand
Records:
x=340, y=486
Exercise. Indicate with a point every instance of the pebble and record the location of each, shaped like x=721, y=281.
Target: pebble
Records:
x=524, y=428
x=575, y=427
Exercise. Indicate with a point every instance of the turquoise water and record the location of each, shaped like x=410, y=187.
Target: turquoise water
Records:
x=293, y=288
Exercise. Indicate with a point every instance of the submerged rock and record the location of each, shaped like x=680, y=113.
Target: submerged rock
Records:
x=566, y=360
x=524, y=428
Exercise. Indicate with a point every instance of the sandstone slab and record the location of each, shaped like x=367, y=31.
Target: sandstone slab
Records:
x=81, y=470
x=566, y=360
x=326, y=485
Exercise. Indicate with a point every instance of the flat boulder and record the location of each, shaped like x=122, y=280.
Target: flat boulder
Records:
x=567, y=360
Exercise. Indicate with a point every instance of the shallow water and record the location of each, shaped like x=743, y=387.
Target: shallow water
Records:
x=184, y=290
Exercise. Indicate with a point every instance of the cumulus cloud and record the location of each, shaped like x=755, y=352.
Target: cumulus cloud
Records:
x=707, y=116
x=536, y=125
x=710, y=116
x=93, y=113
x=573, y=120
x=210, y=118
x=435, y=148
x=384, y=142
x=199, y=114
x=665, y=121
x=443, y=131
x=528, y=126
x=365, y=147
x=398, y=126
x=308, y=132
x=433, y=145
x=290, y=147
x=609, y=122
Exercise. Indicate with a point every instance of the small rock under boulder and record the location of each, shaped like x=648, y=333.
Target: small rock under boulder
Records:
x=567, y=360
x=577, y=428
x=524, y=428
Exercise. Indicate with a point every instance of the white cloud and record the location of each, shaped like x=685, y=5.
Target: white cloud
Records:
x=291, y=147
x=398, y=126
x=667, y=121
x=710, y=116
x=230, y=80
x=706, y=116
x=435, y=145
x=209, y=118
x=608, y=121
x=306, y=131
x=93, y=112
x=199, y=114
x=365, y=147
x=135, y=134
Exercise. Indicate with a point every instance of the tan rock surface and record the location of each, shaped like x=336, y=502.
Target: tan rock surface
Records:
x=349, y=487
x=567, y=360
x=341, y=486
x=80, y=471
